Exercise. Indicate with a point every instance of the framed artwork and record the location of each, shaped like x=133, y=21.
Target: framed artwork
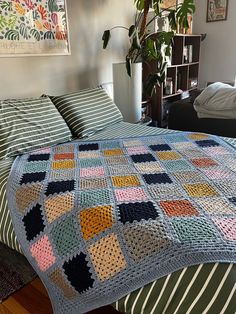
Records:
x=33, y=28
x=169, y=4
x=217, y=10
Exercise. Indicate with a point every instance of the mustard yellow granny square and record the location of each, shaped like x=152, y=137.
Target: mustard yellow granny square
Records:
x=198, y=136
x=113, y=152
x=168, y=155
x=200, y=190
x=95, y=220
x=65, y=164
x=124, y=181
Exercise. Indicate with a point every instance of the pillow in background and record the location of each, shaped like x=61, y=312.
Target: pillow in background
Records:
x=87, y=111
x=29, y=124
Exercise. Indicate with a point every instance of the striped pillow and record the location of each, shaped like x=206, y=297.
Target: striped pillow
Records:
x=87, y=111
x=28, y=124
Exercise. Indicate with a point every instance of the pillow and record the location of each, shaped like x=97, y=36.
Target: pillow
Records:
x=28, y=124
x=87, y=111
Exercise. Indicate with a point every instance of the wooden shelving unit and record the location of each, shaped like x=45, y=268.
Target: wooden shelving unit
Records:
x=183, y=71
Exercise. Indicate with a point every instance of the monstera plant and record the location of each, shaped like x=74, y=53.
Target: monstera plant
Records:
x=146, y=46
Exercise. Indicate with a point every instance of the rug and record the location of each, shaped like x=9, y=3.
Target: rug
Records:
x=15, y=271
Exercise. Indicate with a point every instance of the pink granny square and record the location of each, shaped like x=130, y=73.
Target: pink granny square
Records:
x=212, y=151
x=217, y=173
x=227, y=226
x=131, y=194
x=43, y=253
x=46, y=150
x=92, y=172
x=137, y=150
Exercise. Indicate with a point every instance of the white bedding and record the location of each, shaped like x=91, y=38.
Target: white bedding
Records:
x=218, y=100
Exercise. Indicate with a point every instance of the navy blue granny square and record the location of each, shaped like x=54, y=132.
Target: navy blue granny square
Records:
x=207, y=143
x=32, y=177
x=160, y=147
x=85, y=147
x=136, y=211
x=77, y=272
x=39, y=157
x=157, y=178
x=233, y=200
x=142, y=158
x=60, y=186
x=33, y=222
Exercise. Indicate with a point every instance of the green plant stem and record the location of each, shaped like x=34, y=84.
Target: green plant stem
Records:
x=119, y=26
x=144, y=19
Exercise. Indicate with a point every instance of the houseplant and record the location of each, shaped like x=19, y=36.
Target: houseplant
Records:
x=146, y=46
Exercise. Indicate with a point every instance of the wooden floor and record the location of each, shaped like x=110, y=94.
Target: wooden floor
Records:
x=33, y=299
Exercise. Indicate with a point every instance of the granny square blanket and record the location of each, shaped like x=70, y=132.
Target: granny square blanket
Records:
x=99, y=219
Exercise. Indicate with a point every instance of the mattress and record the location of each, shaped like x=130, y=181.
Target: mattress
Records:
x=206, y=287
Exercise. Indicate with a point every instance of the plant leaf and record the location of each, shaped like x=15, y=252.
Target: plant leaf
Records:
x=156, y=6
x=132, y=29
x=136, y=42
x=163, y=68
x=172, y=20
x=185, y=9
x=128, y=66
x=139, y=4
x=151, y=49
x=106, y=37
x=151, y=81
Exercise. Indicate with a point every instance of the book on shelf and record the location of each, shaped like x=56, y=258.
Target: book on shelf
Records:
x=188, y=54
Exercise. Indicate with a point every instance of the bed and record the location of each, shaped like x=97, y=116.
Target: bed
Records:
x=204, y=288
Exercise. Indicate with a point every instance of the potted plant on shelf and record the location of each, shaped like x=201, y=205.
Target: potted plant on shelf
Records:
x=145, y=47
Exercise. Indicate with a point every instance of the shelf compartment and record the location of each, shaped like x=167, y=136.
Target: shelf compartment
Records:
x=182, y=78
x=171, y=72
x=177, y=54
x=195, y=42
x=193, y=76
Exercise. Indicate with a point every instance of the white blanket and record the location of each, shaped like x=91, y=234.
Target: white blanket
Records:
x=218, y=100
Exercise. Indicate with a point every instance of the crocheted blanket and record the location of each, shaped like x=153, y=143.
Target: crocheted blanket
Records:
x=100, y=219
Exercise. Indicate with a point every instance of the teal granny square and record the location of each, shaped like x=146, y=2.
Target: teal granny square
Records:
x=36, y=166
x=95, y=197
x=108, y=145
x=64, y=236
x=90, y=162
x=194, y=229
x=178, y=165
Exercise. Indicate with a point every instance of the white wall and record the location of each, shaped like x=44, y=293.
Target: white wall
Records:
x=218, y=50
x=87, y=66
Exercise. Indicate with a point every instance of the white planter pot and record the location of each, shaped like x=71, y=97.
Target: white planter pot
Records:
x=128, y=91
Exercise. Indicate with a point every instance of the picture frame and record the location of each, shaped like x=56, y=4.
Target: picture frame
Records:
x=34, y=28
x=217, y=10
x=169, y=4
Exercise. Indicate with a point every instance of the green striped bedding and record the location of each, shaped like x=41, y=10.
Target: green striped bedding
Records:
x=28, y=124
x=208, y=288
x=87, y=111
x=204, y=288
x=7, y=234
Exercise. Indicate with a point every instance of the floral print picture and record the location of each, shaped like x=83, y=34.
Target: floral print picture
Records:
x=33, y=27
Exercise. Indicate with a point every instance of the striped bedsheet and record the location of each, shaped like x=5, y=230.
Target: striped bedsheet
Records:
x=7, y=234
x=205, y=288
x=200, y=289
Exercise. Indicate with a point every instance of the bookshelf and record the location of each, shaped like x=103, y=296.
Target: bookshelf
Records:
x=183, y=73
